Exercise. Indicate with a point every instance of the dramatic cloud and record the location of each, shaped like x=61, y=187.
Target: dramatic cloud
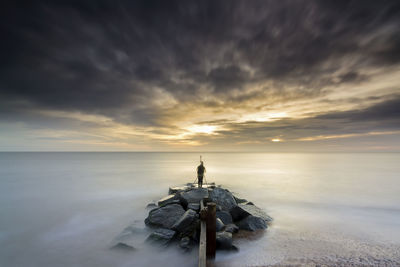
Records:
x=208, y=75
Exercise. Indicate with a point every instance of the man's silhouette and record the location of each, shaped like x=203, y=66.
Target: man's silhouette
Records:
x=200, y=173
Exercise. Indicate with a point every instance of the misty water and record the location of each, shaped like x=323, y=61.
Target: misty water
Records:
x=64, y=209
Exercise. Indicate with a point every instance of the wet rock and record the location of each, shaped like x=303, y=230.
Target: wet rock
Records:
x=240, y=200
x=194, y=206
x=161, y=236
x=185, y=243
x=252, y=223
x=194, y=195
x=231, y=228
x=255, y=211
x=224, y=240
x=178, y=189
x=219, y=225
x=170, y=199
x=223, y=198
x=165, y=216
x=249, y=203
x=243, y=210
x=225, y=217
x=186, y=222
x=122, y=247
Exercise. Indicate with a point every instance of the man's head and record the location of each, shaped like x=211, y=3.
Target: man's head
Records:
x=201, y=162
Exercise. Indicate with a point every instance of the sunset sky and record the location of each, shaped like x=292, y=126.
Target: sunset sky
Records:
x=200, y=76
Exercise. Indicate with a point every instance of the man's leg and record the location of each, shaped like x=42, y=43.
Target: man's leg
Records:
x=200, y=181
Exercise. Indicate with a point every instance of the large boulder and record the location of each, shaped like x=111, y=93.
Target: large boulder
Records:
x=240, y=200
x=170, y=199
x=186, y=222
x=224, y=240
x=223, y=198
x=219, y=225
x=194, y=195
x=161, y=236
x=194, y=206
x=224, y=216
x=252, y=223
x=241, y=211
x=165, y=216
x=178, y=189
x=231, y=228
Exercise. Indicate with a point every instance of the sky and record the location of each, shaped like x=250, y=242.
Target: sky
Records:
x=263, y=76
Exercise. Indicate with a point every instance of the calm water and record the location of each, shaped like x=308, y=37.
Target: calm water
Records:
x=63, y=209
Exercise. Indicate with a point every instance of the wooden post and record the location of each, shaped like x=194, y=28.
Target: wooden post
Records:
x=211, y=230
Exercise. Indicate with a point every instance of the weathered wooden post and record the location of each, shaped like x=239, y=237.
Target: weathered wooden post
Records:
x=211, y=230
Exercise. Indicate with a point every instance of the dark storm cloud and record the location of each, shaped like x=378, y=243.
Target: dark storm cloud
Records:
x=111, y=57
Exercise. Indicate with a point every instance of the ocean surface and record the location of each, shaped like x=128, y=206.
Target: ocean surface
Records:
x=64, y=209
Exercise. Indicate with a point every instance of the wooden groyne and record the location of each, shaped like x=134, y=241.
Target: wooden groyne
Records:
x=207, y=244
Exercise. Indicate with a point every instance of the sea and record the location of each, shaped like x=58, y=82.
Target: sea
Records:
x=66, y=208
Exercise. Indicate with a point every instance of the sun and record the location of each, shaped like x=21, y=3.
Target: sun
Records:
x=276, y=140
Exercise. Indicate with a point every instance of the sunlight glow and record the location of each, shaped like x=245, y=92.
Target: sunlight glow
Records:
x=206, y=129
x=276, y=140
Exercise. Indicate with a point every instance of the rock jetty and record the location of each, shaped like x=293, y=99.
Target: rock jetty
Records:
x=176, y=219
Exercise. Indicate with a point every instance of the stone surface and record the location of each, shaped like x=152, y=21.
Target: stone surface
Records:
x=255, y=211
x=225, y=217
x=223, y=198
x=161, y=236
x=169, y=200
x=219, y=225
x=165, y=216
x=252, y=223
x=185, y=222
x=240, y=200
x=178, y=189
x=224, y=240
x=194, y=195
x=231, y=228
x=194, y=206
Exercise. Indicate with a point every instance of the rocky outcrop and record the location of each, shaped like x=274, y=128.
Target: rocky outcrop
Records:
x=176, y=218
x=165, y=216
x=161, y=236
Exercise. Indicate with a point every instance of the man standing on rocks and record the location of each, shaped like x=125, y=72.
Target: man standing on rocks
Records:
x=200, y=173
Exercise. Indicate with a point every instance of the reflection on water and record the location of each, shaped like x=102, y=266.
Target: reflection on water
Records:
x=63, y=209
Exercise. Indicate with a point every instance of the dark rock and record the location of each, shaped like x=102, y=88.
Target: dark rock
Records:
x=249, y=203
x=243, y=210
x=194, y=195
x=170, y=199
x=178, y=189
x=231, y=228
x=238, y=213
x=224, y=240
x=255, y=211
x=219, y=225
x=194, y=206
x=185, y=243
x=223, y=198
x=165, y=216
x=161, y=236
x=240, y=200
x=225, y=217
x=185, y=222
x=252, y=223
